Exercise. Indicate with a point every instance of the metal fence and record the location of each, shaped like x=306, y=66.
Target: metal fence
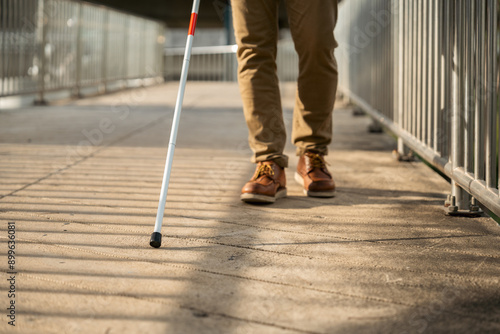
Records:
x=428, y=71
x=49, y=45
x=218, y=63
x=208, y=63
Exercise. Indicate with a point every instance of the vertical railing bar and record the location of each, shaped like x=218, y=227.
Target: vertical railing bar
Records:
x=447, y=115
x=143, y=54
x=420, y=67
x=429, y=99
x=491, y=112
x=79, y=54
x=416, y=73
x=3, y=54
x=400, y=83
x=413, y=70
x=466, y=77
x=125, y=28
x=10, y=28
x=424, y=69
x=18, y=47
x=437, y=76
x=52, y=35
x=479, y=158
x=376, y=43
x=496, y=83
x=392, y=70
x=380, y=71
x=457, y=102
x=105, y=46
x=407, y=68
x=8, y=14
x=24, y=66
x=43, y=40
x=431, y=70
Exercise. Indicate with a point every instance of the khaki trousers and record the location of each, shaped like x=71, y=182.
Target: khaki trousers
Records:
x=256, y=30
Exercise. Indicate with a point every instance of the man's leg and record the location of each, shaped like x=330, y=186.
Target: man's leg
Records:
x=311, y=24
x=256, y=30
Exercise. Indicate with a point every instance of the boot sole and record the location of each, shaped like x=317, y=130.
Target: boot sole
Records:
x=320, y=194
x=256, y=198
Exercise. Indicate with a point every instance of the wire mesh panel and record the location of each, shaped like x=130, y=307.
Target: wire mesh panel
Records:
x=91, y=45
x=208, y=63
x=152, y=50
x=428, y=70
x=49, y=45
x=116, y=46
x=219, y=63
x=19, y=56
x=287, y=61
x=135, y=45
x=60, y=35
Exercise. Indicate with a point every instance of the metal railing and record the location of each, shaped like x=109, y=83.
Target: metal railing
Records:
x=428, y=71
x=218, y=63
x=208, y=63
x=49, y=45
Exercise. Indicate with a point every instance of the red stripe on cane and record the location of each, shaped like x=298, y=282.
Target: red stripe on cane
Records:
x=192, y=23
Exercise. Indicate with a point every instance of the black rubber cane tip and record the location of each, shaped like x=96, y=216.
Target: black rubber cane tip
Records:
x=155, y=240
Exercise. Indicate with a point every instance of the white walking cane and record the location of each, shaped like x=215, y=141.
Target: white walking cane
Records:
x=156, y=235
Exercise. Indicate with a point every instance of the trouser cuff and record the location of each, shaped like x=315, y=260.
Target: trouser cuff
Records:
x=319, y=150
x=280, y=159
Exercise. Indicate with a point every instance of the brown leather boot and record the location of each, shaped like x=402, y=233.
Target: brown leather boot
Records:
x=267, y=184
x=313, y=175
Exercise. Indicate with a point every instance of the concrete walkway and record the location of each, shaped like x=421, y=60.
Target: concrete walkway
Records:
x=80, y=184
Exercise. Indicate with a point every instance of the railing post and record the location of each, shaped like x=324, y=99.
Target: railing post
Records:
x=459, y=202
x=402, y=153
x=142, y=53
x=79, y=55
x=42, y=41
x=105, y=38
x=126, y=50
x=160, y=65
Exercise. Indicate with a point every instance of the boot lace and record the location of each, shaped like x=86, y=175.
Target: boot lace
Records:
x=264, y=170
x=317, y=161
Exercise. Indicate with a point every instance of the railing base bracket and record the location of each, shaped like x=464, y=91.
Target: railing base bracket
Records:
x=451, y=209
x=375, y=127
x=356, y=112
x=41, y=103
x=403, y=157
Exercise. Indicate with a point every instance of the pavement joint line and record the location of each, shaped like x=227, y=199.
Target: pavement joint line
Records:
x=102, y=198
x=49, y=175
x=373, y=241
x=455, y=230
x=353, y=263
x=163, y=302
x=328, y=259
x=370, y=242
x=150, y=185
x=217, y=273
x=92, y=154
x=256, y=279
